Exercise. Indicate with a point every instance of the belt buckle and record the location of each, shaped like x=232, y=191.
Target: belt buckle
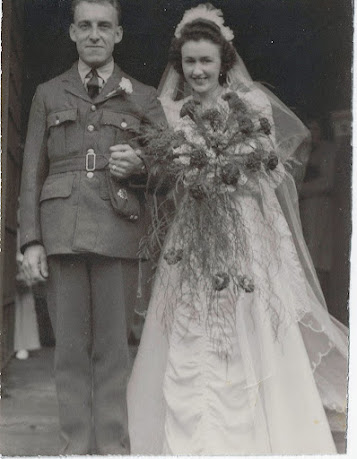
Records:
x=90, y=161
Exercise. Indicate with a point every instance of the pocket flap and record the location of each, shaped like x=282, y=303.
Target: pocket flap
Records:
x=57, y=118
x=122, y=120
x=57, y=186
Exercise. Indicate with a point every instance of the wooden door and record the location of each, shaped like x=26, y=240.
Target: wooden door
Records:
x=12, y=58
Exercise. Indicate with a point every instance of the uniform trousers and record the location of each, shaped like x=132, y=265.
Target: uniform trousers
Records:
x=90, y=300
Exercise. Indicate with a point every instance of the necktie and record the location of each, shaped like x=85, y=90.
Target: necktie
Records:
x=93, y=84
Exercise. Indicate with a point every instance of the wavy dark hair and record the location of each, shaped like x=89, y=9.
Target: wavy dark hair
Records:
x=202, y=29
x=115, y=4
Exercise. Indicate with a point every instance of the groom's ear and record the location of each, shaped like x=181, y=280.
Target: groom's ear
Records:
x=118, y=34
x=72, y=32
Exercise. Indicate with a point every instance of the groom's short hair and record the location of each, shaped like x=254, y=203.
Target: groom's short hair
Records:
x=115, y=4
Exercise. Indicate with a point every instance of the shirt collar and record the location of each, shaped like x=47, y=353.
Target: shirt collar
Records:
x=104, y=72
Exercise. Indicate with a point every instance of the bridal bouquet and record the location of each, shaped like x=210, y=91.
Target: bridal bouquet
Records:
x=213, y=151
x=209, y=156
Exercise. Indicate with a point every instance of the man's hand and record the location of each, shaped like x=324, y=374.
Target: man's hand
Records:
x=34, y=263
x=125, y=161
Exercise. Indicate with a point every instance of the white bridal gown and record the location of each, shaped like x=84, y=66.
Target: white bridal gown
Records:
x=278, y=393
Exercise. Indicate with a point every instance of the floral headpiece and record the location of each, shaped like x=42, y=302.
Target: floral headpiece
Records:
x=209, y=13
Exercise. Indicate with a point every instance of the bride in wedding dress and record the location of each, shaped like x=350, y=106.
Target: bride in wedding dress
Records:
x=239, y=355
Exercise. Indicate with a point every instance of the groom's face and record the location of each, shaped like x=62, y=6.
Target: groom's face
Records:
x=95, y=30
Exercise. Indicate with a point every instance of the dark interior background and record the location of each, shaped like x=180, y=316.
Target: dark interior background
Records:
x=303, y=48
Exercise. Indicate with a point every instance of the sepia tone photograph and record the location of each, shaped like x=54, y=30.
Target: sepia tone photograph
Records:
x=176, y=221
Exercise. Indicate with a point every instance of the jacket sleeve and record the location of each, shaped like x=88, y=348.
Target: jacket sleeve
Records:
x=34, y=173
x=153, y=114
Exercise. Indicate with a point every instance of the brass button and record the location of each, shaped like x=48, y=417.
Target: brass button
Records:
x=90, y=128
x=133, y=217
x=93, y=108
x=90, y=174
x=124, y=124
x=57, y=121
x=90, y=151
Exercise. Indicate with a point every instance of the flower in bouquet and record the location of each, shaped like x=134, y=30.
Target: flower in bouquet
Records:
x=254, y=161
x=230, y=174
x=246, y=125
x=246, y=283
x=190, y=109
x=214, y=118
x=173, y=256
x=198, y=192
x=272, y=161
x=265, y=125
x=220, y=281
x=235, y=103
x=198, y=158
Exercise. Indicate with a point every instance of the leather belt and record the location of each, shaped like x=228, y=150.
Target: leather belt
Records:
x=89, y=163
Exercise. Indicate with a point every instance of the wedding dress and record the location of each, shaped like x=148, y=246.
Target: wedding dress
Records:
x=258, y=369
x=287, y=357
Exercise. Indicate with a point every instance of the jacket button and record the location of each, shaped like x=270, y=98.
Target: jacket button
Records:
x=90, y=174
x=93, y=108
x=90, y=128
x=133, y=217
x=90, y=151
x=124, y=124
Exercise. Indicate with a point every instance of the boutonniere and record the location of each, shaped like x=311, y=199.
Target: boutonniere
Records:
x=124, y=87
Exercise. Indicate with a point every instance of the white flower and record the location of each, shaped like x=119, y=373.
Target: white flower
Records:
x=126, y=85
x=184, y=160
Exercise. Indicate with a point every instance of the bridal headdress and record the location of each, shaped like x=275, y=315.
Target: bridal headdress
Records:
x=206, y=12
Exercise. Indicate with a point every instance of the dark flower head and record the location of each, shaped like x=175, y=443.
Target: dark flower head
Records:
x=253, y=161
x=214, y=117
x=235, y=103
x=246, y=125
x=272, y=161
x=265, y=125
x=230, y=174
x=197, y=192
x=198, y=159
x=219, y=142
x=178, y=139
x=246, y=283
x=220, y=281
x=189, y=108
x=173, y=256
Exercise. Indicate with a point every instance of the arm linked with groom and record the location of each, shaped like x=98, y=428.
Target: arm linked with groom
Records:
x=83, y=214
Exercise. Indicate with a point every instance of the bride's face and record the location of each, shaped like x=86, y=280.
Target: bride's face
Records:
x=201, y=65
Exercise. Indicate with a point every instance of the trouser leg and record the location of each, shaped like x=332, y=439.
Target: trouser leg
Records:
x=69, y=308
x=113, y=284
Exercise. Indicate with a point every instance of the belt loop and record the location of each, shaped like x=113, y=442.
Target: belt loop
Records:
x=90, y=156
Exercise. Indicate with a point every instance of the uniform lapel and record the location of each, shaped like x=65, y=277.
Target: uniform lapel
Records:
x=73, y=83
x=111, y=85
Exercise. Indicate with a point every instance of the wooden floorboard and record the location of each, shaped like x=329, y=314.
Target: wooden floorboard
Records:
x=29, y=412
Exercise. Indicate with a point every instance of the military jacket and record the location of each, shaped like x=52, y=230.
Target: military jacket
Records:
x=65, y=202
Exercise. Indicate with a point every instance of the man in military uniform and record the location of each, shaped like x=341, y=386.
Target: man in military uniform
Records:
x=82, y=217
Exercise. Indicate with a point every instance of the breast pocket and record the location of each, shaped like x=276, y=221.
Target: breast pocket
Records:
x=120, y=128
x=62, y=132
